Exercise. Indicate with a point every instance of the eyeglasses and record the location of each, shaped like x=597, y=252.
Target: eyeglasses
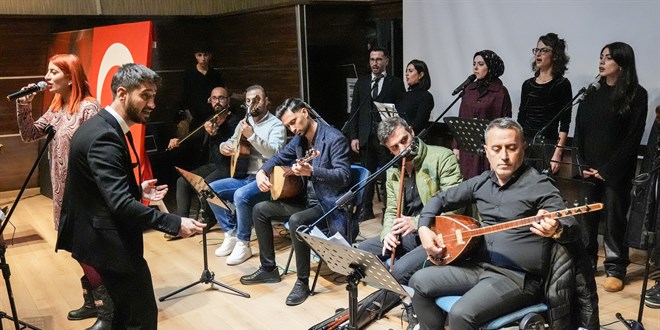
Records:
x=541, y=50
x=217, y=98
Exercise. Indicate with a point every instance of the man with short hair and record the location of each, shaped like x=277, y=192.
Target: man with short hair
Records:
x=325, y=180
x=428, y=171
x=198, y=82
x=265, y=136
x=380, y=87
x=508, y=271
x=103, y=217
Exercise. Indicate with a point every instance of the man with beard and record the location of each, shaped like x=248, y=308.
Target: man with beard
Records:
x=429, y=170
x=380, y=87
x=265, y=136
x=198, y=82
x=325, y=179
x=217, y=168
x=102, y=216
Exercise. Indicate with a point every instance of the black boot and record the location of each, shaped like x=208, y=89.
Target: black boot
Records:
x=104, y=308
x=88, y=308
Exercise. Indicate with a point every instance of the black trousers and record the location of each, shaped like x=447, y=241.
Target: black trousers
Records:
x=486, y=295
x=133, y=298
x=374, y=155
x=616, y=200
x=298, y=214
x=410, y=255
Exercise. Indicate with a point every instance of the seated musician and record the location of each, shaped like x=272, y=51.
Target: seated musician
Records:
x=429, y=170
x=217, y=167
x=508, y=271
x=264, y=136
x=325, y=179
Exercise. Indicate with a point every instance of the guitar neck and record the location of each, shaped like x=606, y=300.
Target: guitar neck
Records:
x=529, y=220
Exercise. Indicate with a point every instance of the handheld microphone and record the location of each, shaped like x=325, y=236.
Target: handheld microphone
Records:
x=40, y=86
x=462, y=86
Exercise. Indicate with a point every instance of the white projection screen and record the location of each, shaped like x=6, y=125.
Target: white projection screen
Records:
x=446, y=34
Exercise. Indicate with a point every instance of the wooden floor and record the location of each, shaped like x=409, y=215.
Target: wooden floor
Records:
x=46, y=284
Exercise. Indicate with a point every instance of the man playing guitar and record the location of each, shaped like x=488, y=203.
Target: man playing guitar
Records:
x=326, y=178
x=266, y=136
x=508, y=272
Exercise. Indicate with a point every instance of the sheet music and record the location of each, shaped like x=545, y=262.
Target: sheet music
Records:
x=386, y=110
x=336, y=238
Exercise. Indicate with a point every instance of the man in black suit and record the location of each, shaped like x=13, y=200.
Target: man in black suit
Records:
x=378, y=87
x=102, y=214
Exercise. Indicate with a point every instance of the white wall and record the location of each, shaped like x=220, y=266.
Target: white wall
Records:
x=446, y=34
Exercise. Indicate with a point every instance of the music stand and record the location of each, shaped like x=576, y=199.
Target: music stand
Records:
x=469, y=132
x=199, y=184
x=357, y=265
x=204, y=193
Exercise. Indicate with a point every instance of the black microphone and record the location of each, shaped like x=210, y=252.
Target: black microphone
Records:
x=462, y=86
x=40, y=86
x=594, y=86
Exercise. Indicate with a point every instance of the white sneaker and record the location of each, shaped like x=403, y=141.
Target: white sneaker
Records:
x=241, y=253
x=227, y=246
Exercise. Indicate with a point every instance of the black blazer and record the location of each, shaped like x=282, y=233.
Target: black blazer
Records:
x=102, y=214
x=391, y=92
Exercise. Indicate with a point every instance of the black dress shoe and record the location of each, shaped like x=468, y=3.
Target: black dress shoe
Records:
x=298, y=294
x=261, y=276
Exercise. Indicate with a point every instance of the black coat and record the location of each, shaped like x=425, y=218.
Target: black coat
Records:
x=570, y=289
x=391, y=92
x=102, y=214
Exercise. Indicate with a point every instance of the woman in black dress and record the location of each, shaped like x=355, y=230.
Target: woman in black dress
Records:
x=542, y=97
x=417, y=103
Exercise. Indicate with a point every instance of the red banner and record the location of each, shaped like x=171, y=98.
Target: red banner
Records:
x=102, y=50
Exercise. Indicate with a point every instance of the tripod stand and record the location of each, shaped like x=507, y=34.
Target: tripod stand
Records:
x=6, y=273
x=207, y=275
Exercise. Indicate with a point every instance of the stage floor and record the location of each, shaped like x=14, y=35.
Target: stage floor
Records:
x=46, y=284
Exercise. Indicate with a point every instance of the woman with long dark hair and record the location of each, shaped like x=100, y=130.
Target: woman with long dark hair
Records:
x=71, y=106
x=609, y=127
x=417, y=103
x=485, y=98
x=541, y=99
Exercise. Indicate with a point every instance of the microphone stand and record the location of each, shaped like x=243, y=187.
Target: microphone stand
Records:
x=344, y=200
x=539, y=137
x=316, y=114
x=425, y=131
x=6, y=273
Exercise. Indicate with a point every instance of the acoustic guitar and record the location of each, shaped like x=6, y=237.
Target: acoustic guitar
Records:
x=461, y=234
x=240, y=158
x=284, y=183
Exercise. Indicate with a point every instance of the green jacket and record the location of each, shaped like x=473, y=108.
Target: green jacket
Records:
x=436, y=170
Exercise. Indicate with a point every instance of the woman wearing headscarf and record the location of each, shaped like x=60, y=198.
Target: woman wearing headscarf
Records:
x=485, y=98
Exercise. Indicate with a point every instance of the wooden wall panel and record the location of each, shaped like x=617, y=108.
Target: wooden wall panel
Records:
x=251, y=47
x=16, y=159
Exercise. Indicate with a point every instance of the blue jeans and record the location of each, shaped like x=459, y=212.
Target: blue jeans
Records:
x=245, y=194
